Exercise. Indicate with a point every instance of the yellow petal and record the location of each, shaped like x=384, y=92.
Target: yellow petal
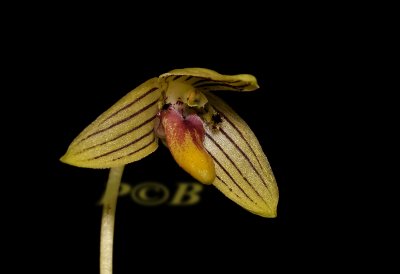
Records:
x=121, y=135
x=185, y=137
x=243, y=173
x=205, y=79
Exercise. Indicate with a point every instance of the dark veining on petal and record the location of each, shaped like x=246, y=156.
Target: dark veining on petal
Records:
x=244, y=155
x=177, y=77
x=188, y=78
x=234, y=164
x=227, y=173
x=165, y=78
x=125, y=146
x=120, y=121
x=208, y=82
x=230, y=189
x=130, y=104
x=239, y=149
x=236, y=81
x=121, y=135
x=202, y=80
x=138, y=150
x=216, y=84
x=240, y=134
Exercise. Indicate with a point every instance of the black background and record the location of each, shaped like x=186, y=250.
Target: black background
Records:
x=72, y=72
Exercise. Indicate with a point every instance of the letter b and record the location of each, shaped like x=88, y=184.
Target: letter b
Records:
x=186, y=194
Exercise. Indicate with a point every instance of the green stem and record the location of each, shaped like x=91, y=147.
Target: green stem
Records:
x=108, y=219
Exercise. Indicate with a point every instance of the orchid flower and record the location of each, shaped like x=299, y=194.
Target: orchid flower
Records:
x=204, y=135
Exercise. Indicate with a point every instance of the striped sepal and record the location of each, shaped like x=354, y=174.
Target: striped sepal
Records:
x=205, y=79
x=243, y=173
x=121, y=135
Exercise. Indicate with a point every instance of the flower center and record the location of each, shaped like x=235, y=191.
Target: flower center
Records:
x=181, y=92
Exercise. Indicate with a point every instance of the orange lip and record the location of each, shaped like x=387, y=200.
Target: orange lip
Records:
x=185, y=137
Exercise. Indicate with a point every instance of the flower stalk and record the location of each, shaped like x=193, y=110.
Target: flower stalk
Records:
x=108, y=219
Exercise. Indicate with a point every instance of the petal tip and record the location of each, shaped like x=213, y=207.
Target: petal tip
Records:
x=67, y=159
x=64, y=158
x=268, y=213
x=262, y=210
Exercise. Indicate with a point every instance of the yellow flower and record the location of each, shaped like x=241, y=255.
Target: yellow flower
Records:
x=205, y=136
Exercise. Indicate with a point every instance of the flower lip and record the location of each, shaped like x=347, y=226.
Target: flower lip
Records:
x=185, y=137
